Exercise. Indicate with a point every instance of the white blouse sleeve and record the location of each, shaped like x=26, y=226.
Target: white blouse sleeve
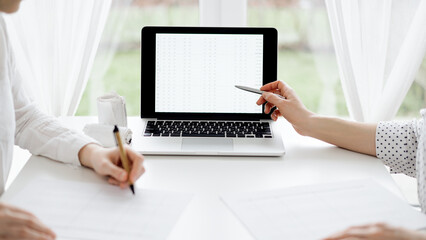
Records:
x=396, y=145
x=40, y=133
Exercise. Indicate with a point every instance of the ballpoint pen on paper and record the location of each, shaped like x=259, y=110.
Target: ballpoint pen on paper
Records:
x=254, y=90
x=123, y=155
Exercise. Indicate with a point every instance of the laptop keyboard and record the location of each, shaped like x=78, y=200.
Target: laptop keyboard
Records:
x=208, y=129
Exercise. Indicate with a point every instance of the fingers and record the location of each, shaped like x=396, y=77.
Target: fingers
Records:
x=23, y=225
x=272, y=98
x=279, y=88
x=122, y=185
x=137, y=164
x=18, y=210
x=352, y=234
x=261, y=100
x=268, y=107
x=113, y=181
x=36, y=225
x=273, y=85
x=31, y=222
x=275, y=115
x=107, y=162
x=361, y=232
x=110, y=169
x=118, y=174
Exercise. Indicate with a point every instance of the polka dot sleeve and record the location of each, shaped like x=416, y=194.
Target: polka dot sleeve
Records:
x=396, y=145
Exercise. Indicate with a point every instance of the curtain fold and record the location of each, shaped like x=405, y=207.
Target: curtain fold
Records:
x=55, y=42
x=379, y=47
x=108, y=46
x=320, y=44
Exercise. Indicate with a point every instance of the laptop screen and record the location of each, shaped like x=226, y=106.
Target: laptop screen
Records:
x=190, y=72
x=197, y=73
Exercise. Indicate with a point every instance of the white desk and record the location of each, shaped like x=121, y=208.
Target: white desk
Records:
x=307, y=161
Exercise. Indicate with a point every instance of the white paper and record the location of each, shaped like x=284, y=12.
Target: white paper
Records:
x=315, y=212
x=76, y=210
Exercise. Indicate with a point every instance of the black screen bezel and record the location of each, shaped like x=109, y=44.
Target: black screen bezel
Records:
x=148, y=36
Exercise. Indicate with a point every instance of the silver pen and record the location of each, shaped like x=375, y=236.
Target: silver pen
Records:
x=254, y=90
x=249, y=89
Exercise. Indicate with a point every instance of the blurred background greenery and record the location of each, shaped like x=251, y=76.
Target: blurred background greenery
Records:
x=306, y=58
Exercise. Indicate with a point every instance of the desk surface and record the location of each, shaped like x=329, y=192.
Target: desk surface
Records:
x=307, y=161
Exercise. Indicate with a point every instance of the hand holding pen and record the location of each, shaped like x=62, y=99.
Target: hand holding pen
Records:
x=268, y=91
x=280, y=95
x=107, y=162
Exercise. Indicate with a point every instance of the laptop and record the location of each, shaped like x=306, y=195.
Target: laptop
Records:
x=189, y=102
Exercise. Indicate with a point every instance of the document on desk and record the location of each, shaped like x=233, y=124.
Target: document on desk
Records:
x=76, y=210
x=315, y=212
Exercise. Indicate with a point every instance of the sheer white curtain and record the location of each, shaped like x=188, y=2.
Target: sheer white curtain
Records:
x=379, y=47
x=107, y=49
x=318, y=38
x=55, y=42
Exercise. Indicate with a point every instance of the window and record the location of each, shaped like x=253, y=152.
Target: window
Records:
x=123, y=73
x=306, y=59
x=416, y=96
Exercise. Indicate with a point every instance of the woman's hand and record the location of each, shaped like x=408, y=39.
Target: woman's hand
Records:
x=291, y=107
x=106, y=162
x=19, y=224
x=378, y=232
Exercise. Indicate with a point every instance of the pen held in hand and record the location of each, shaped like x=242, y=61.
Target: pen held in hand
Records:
x=123, y=156
x=254, y=90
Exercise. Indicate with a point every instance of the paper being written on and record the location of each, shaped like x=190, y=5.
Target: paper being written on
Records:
x=76, y=210
x=315, y=212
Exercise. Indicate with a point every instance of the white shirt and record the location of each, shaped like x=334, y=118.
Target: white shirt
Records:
x=23, y=124
x=402, y=145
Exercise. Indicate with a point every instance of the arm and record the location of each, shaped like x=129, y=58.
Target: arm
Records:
x=394, y=142
x=355, y=136
x=44, y=135
x=359, y=137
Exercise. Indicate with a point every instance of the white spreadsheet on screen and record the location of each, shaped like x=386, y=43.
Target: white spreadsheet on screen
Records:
x=197, y=72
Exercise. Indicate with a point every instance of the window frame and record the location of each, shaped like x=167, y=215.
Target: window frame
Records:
x=223, y=13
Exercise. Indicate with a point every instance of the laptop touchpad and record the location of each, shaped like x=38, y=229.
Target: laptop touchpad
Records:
x=207, y=145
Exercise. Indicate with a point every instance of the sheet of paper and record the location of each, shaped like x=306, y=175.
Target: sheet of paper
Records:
x=76, y=210
x=315, y=212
